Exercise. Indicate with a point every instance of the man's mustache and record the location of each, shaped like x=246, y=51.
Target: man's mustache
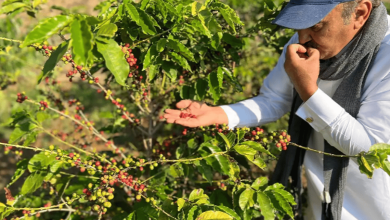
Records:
x=310, y=44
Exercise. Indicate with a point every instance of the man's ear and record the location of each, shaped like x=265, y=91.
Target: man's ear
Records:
x=362, y=13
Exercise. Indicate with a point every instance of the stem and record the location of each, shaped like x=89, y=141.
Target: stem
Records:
x=12, y=40
x=320, y=152
x=157, y=207
x=74, y=175
x=51, y=210
x=66, y=143
x=163, y=82
x=177, y=161
x=24, y=147
x=96, y=132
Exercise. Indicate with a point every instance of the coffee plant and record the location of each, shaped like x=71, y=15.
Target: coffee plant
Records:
x=138, y=59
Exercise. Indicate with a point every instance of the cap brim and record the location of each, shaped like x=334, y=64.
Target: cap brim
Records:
x=302, y=16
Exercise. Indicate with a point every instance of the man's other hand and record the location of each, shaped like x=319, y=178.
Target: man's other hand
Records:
x=303, y=67
x=203, y=115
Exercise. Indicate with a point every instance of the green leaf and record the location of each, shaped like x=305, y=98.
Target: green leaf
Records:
x=220, y=162
x=201, y=88
x=215, y=84
x=144, y=3
x=107, y=30
x=20, y=131
x=180, y=203
x=150, y=56
x=11, y=7
x=214, y=215
x=228, y=143
x=32, y=183
x=191, y=213
x=274, y=186
x=187, y=92
x=40, y=162
x=133, y=12
x=216, y=40
x=245, y=150
x=232, y=40
x=176, y=170
x=195, y=8
x=55, y=165
x=284, y=204
x=240, y=135
x=115, y=60
x=21, y=167
x=286, y=195
x=201, y=28
x=161, y=45
x=386, y=167
x=380, y=146
x=180, y=60
x=38, y=2
x=31, y=138
x=205, y=170
x=169, y=208
x=192, y=144
x=153, y=71
x=229, y=211
x=133, y=33
x=235, y=82
x=170, y=69
x=131, y=216
x=258, y=147
x=373, y=160
x=197, y=194
x=270, y=4
x=267, y=210
x=5, y=211
x=46, y=28
x=146, y=22
x=180, y=48
x=55, y=57
x=42, y=116
x=228, y=19
x=259, y=182
x=259, y=162
x=81, y=42
x=208, y=20
x=246, y=199
x=234, y=171
x=364, y=167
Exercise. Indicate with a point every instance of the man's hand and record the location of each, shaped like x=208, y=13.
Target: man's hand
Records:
x=204, y=114
x=303, y=67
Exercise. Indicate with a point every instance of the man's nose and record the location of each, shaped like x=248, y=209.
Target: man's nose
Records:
x=304, y=36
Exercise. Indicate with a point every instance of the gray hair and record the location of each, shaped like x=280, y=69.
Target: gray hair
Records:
x=349, y=8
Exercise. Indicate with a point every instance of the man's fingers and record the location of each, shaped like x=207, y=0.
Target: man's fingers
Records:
x=188, y=122
x=184, y=103
x=296, y=48
x=313, y=53
x=172, y=112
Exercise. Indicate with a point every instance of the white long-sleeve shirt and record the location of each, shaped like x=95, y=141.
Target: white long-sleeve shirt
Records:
x=363, y=198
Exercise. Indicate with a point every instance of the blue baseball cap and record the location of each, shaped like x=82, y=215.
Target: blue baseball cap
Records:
x=302, y=14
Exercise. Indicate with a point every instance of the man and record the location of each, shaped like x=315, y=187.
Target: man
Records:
x=334, y=77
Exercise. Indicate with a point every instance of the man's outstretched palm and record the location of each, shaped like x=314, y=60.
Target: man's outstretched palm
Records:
x=204, y=114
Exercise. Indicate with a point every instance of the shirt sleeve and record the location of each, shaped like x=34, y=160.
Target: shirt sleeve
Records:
x=273, y=102
x=348, y=134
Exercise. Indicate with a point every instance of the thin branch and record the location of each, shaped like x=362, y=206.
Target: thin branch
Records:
x=12, y=40
x=320, y=152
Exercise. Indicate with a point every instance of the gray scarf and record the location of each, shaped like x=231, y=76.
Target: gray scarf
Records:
x=351, y=65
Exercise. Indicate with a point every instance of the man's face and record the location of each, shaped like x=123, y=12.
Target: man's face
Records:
x=330, y=35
